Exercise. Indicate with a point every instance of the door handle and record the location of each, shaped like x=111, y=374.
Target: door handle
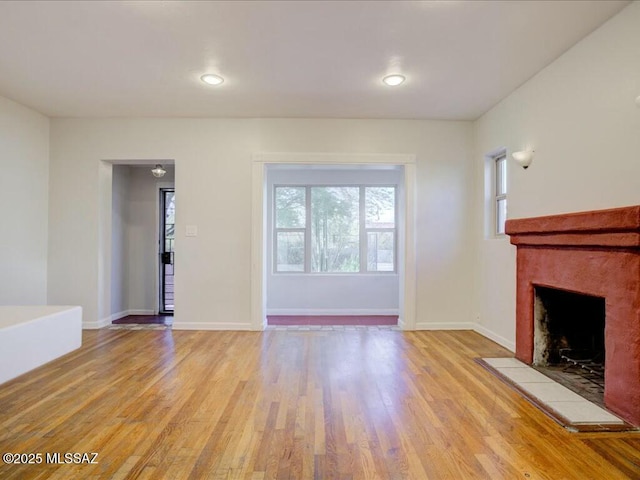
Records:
x=166, y=258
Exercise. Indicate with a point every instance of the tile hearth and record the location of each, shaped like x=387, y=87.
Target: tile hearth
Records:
x=577, y=379
x=576, y=410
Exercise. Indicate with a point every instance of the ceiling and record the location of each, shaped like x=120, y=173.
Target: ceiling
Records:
x=282, y=59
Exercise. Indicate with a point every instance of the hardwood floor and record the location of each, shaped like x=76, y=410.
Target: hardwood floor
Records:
x=361, y=404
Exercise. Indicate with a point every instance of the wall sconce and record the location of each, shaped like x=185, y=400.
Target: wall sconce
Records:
x=158, y=171
x=638, y=101
x=524, y=158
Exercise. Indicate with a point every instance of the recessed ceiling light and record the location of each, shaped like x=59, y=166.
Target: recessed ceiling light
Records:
x=212, y=79
x=393, y=80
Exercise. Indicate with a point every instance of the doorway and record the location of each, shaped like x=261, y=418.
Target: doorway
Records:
x=260, y=235
x=334, y=235
x=142, y=234
x=166, y=254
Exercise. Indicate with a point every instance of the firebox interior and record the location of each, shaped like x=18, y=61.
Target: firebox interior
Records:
x=569, y=327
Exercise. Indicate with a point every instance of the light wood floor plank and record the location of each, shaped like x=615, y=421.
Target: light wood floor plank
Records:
x=360, y=404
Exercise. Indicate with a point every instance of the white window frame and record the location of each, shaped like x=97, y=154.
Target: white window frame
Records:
x=499, y=195
x=303, y=230
x=363, y=243
x=364, y=231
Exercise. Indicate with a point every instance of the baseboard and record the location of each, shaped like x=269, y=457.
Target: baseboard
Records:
x=126, y=313
x=332, y=311
x=96, y=324
x=140, y=312
x=500, y=340
x=445, y=326
x=118, y=316
x=210, y=326
x=113, y=317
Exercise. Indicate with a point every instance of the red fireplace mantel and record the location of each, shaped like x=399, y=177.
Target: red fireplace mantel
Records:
x=594, y=253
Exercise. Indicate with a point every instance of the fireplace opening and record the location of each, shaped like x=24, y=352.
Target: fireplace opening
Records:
x=569, y=340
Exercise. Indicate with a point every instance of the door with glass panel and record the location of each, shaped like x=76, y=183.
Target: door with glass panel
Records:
x=166, y=244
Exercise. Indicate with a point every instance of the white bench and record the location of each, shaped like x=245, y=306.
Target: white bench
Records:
x=31, y=336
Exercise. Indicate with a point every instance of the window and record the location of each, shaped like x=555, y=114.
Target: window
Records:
x=334, y=229
x=380, y=228
x=290, y=227
x=500, y=169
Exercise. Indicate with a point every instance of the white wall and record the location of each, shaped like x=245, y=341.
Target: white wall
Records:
x=579, y=116
x=24, y=178
x=331, y=294
x=446, y=258
x=213, y=180
x=121, y=181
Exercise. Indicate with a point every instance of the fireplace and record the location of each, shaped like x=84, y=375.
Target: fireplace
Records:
x=568, y=340
x=568, y=328
x=578, y=295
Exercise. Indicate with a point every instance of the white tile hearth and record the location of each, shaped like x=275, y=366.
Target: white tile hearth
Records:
x=524, y=375
x=552, y=392
x=583, y=411
x=558, y=398
x=503, y=362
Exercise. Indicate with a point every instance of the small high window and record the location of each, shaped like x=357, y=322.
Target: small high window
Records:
x=500, y=202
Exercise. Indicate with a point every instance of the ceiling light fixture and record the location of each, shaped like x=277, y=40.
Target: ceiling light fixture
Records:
x=393, y=80
x=158, y=171
x=212, y=79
